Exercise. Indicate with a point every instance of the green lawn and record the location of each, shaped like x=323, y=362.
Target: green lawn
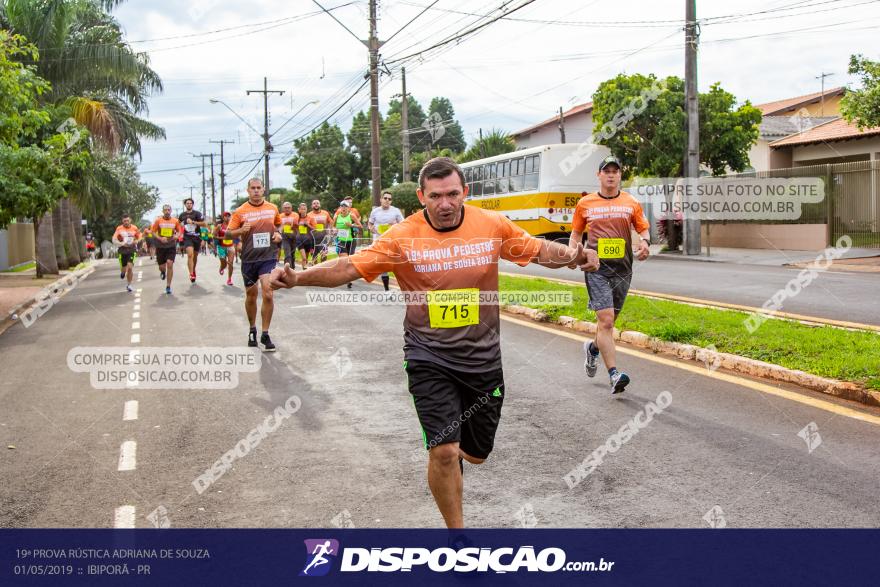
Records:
x=21, y=268
x=824, y=351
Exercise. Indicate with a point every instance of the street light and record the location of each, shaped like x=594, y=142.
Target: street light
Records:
x=216, y=101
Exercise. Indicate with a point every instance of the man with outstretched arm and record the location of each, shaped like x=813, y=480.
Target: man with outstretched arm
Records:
x=444, y=258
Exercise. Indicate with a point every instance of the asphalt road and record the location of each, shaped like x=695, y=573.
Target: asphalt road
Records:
x=351, y=453
x=832, y=295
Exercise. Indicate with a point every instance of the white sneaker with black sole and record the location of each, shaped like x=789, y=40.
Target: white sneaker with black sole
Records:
x=591, y=363
x=619, y=381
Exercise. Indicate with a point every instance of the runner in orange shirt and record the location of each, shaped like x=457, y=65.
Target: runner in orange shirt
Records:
x=289, y=227
x=225, y=247
x=446, y=257
x=322, y=221
x=167, y=230
x=257, y=222
x=608, y=217
x=126, y=238
x=305, y=242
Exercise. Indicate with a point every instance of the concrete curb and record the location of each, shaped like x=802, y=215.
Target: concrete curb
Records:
x=714, y=360
x=7, y=321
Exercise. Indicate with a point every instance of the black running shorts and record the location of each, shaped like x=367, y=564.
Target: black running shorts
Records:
x=164, y=254
x=454, y=406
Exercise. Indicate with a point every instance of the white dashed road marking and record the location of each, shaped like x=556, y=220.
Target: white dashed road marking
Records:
x=124, y=517
x=130, y=411
x=127, y=456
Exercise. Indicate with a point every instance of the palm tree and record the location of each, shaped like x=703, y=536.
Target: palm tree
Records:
x=497, y=142
x=97, y=76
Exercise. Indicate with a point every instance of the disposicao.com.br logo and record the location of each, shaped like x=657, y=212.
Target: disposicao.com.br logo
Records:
x=441, y=560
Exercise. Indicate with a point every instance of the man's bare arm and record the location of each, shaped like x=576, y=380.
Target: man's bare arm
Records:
x=327, y=274
x=555, y=255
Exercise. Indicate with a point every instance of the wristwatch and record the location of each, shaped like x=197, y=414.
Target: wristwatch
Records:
x=647, y=240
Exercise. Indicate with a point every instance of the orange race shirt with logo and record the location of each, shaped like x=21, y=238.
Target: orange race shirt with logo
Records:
x=321, y=221
x=289, y=224
x=608, y=224
x=169, y=228
x=450, y=267
x=257, y=245
x=126, y=238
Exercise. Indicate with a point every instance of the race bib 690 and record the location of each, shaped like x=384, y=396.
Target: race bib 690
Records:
x=611, y=248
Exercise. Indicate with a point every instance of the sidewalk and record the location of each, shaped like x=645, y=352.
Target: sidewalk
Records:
x=867, y=258
x=16, y=288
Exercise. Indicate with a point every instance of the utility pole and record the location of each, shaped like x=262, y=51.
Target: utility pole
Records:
x=213, y=198
x=822, y=76
x=204, y=195
x=561, y=126
x=482, y=146
x=373, y=45
x=267, y=146
x=222, y=172
x=692, y=36
x=404, y=119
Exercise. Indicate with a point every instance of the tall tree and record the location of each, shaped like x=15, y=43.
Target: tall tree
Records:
x=321, y=163
x=862, y=106
x=641, y=119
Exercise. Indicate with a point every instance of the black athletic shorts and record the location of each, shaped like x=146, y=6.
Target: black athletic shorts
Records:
x=126, y=258
x=305, y=242
x=192, y=241
x=345, y=247
x=251, y=272
x=164, y=254
x=454, y=406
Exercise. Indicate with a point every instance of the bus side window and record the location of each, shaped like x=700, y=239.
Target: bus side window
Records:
x=517, y=167
x=532, y=166
x=503, y=172
x=478, y=182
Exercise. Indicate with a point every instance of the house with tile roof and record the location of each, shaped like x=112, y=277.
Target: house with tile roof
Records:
x=578, y=129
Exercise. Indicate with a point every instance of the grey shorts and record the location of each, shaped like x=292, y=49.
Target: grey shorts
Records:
x=607, y=290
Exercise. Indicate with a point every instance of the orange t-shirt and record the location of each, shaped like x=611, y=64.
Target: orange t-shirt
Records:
x=126, y=238
x=606, y=221
x=321, y=220
x=169, y=228
x=289, y=223
x=452, y=328
x=257, y=245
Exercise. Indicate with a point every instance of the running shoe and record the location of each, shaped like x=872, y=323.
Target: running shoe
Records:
x=192, y=277
x=162, y=275
x=168, y=290
x=122, y=275
x=128, y=288
x=252, y=338
x=222, y=270
x=591, y=363
x=229, y=281
x=619, y=381
x=348, y=285
x=268, y=345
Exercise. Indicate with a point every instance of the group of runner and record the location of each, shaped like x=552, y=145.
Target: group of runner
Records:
x=452, y=351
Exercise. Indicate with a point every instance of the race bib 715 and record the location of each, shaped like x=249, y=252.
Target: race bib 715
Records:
x=454, y=308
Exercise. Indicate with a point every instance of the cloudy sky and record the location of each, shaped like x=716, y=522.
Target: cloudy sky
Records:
x=513, y=73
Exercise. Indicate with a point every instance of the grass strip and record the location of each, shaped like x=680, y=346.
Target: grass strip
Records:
x=821, y=350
